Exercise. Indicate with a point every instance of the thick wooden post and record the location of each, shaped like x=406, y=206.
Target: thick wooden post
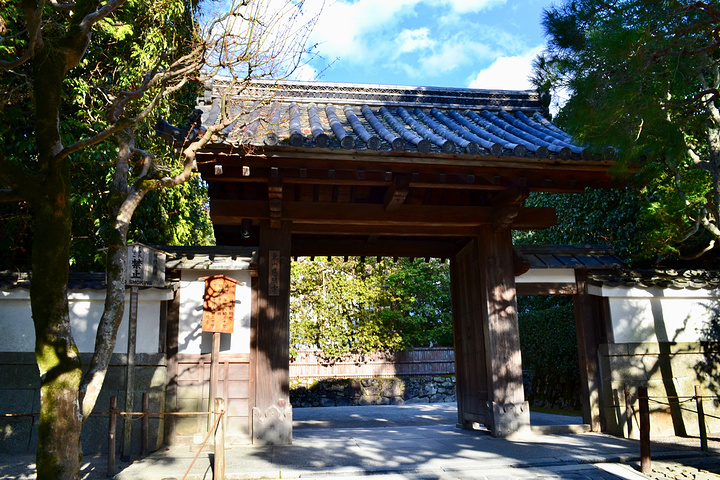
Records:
x=587, y=328
x=272, y=412
x=507, y=410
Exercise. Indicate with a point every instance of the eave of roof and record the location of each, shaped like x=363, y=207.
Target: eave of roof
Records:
x=77, y=281
x=424, y=121
x=588, y=257
x=659, y=278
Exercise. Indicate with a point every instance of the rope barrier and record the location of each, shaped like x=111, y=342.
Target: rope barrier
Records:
x=207, y=437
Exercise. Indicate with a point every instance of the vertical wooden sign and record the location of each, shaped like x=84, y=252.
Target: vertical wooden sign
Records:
x=219, y=304
x=274, y=273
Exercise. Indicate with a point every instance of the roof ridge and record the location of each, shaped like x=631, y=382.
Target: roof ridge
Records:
x=373, y=94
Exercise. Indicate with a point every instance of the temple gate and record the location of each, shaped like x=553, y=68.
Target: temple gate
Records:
x=318, y=169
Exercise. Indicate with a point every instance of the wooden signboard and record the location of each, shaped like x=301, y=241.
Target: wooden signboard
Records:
x=145, y=266
x=219, y=304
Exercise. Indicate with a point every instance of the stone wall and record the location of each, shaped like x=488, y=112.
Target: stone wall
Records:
x=372, y=391
x=670, y=372
x=20, y=394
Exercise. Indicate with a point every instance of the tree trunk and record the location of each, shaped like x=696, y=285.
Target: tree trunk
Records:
x=59, y=451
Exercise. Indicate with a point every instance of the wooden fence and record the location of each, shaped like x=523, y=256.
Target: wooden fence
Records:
x=418, y=362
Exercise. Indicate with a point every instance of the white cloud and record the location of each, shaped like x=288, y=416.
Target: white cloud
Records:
x=412, y=40
x=304, y=73
x=344, y=30
x=508, y=73
x=466, y=6
x=453, y=54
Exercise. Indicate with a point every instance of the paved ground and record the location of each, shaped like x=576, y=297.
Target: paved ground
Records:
x=412, y=442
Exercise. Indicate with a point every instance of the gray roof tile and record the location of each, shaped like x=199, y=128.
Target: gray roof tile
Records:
x=424, y=120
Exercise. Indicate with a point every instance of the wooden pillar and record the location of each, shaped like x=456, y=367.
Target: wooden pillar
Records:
x=272, y=412
x=507, y=410
x=487, y=340
x=468, y=332
x=172, y=325
x=587, y=326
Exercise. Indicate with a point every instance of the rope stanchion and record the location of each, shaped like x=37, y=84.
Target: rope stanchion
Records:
x=207, y=437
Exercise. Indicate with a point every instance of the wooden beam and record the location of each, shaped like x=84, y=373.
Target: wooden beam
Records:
x=302, y=176
x=506, y=207
x=308, y=247
x=386, y=230
x=565, y=175
x=275, y=194
x=231, y=212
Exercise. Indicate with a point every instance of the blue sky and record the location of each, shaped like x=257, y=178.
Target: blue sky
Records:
x=485, y=44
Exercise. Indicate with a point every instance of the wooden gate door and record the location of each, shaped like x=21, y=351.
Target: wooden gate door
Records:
x=470, y=367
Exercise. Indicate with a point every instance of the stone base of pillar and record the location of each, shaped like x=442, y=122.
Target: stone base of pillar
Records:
x=272, y=426
x=504, y=420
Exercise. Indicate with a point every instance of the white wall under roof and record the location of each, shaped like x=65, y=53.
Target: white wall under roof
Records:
x=191, y=338
x=658, y=315
x=547, y=275
x=17, y=333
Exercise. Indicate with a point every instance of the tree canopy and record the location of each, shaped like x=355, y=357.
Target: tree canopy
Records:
x=643, y=77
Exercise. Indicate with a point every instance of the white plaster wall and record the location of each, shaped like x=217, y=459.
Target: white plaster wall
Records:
x=191, y=338
x=657, y=315
x=18, y=335
x=547, y=275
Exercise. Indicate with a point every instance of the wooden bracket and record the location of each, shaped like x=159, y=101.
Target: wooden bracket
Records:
x=397, y=192
x=520, y=264
x=275, y=193
x=506, y=206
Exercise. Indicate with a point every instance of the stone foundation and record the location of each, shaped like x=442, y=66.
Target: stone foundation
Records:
x=372, y=391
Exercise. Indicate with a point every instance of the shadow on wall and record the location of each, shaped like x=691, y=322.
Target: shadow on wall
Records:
x=708, y=370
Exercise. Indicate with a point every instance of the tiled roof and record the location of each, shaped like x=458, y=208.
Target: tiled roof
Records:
x=660, y=278
x=600, y=257
x=423, y=120
x=211, y=258
x=77, y=281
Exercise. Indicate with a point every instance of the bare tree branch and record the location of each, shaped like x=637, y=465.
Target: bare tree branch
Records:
x=64, y=6
x=91, y=19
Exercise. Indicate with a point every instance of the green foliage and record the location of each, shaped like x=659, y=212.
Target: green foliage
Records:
x=140, y=37
x=361, y=306
x=600, y=217
x=643, y=78
x=549, y=351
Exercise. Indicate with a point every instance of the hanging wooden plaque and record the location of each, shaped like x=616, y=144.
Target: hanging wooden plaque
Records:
x=274, y=274
x=219, y=304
